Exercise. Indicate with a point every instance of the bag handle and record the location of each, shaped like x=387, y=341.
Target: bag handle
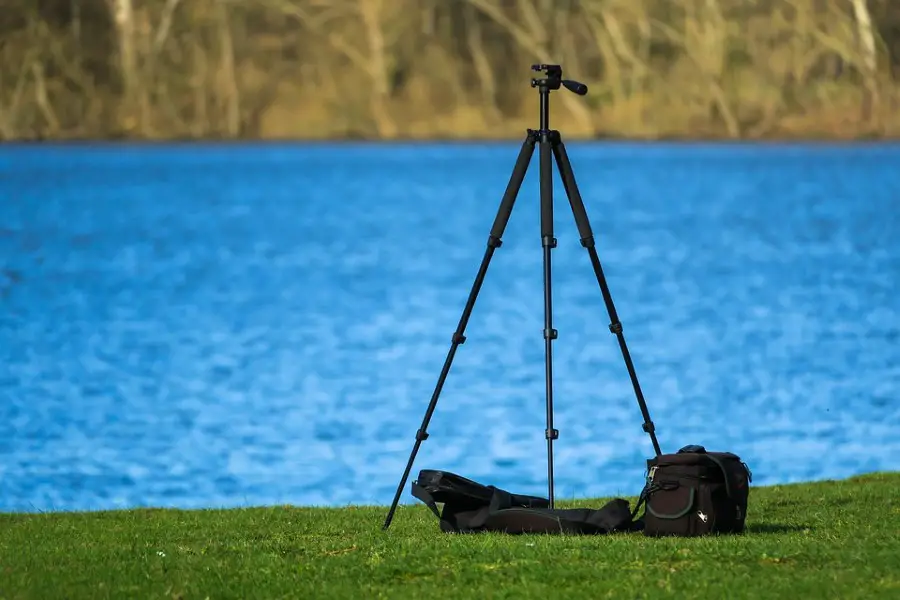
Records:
x=422, y=494
x=692, y=449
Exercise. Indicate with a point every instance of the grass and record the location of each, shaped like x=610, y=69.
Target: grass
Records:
x=833, y=539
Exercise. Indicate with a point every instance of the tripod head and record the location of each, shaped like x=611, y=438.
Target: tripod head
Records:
x=553, y=80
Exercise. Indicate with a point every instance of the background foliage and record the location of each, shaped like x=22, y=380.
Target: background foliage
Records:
x=162, y=69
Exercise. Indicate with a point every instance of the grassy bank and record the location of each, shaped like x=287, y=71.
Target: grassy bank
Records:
x=838, y=539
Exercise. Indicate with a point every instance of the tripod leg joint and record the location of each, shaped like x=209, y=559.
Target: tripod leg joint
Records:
x=649, y=427
x=549, y=241
x=587, y=242
x=494, y=241
x=615, y=328
x=551, y=334
x=551, y=434
x=458, y=338
x=421, y=435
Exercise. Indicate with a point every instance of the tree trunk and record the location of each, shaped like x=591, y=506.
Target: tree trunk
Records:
x=42, y=100
x=482, y=64
x=869, y=59
x=370, y=11
x=200, y=121
x=231, y=92
x=704, y=42
x=612, y=67
x=123, y=17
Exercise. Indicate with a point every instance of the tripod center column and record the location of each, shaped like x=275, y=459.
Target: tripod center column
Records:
x=545, y=109
x=548, y=241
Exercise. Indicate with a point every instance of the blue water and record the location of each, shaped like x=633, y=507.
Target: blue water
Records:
x=206, y=326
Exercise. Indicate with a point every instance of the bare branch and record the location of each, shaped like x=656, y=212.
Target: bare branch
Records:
x=165, y=24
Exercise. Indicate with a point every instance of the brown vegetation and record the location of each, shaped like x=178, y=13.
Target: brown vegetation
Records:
x=163, y=69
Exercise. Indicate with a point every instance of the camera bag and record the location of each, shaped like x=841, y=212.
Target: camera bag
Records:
x=694, y=492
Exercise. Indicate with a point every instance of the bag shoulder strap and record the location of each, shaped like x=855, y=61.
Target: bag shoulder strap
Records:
x=719, y=458
x=614, y=516
x=468, y=510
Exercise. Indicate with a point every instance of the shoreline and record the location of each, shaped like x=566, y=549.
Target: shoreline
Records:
x=412, y=503
x=462, y=141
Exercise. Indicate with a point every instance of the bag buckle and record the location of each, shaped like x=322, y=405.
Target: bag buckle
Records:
x=651, y=473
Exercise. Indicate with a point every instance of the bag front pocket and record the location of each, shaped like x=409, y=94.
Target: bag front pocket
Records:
x=670, y=510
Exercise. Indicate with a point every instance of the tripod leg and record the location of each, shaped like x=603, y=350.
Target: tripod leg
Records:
x=550, y=334
x=587, y=240
x=494, y=242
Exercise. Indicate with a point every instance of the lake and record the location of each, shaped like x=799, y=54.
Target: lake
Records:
x=255, y=324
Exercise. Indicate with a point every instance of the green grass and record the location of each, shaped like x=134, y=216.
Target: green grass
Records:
x=836, y=539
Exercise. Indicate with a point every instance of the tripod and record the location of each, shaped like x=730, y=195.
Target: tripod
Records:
x=550, y=143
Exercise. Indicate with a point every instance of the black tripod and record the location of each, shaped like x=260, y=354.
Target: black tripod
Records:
x=550, y=142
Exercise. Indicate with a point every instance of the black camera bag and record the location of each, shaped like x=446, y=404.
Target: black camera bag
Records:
x=694, y=492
